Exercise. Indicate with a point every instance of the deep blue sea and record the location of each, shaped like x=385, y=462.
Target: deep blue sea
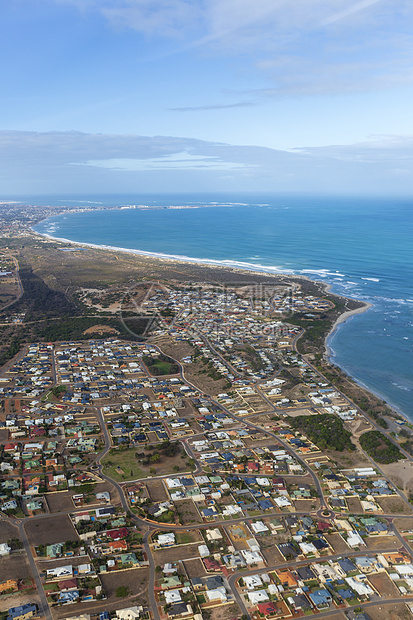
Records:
x=363, y=247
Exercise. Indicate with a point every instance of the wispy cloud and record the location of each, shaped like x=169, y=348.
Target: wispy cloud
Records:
x=56, y=161
x=355, y=8
x=299, y=46
x=200, y=108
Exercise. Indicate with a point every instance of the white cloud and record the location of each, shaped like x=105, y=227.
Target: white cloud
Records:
x=59, y=161
x=301, y=47
x=350, y=11
x=176, y=161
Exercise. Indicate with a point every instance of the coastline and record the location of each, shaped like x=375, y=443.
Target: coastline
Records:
x=243, y=268
x=177, y=258
x=345, y=316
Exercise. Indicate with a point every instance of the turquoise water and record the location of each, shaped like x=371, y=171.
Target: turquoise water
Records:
x=361, y=246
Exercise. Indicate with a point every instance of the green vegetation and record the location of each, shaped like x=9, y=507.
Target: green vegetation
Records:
x=124, y=464
x=379, y=447
x=74, y=328
x=39, y=300
x=160, y=365
x=325, y=430
x=316, y=329
x=122, y=591
x=59, y=390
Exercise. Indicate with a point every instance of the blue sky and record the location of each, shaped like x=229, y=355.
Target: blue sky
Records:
x=195, y=94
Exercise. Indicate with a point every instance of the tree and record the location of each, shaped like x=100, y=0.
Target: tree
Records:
x=122, y=591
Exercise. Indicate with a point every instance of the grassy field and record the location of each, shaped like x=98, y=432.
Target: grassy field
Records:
x=123, y=460
x=122, y=465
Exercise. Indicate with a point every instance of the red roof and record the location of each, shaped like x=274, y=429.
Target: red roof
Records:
x=67, y=584
x=253, y=466
x=211, y=564
x=322, y=525
x=268, y=609
x=118, y=534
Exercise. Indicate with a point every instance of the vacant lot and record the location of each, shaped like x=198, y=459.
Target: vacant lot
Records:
x=14, y=566
x=272, y=556
x=7, y=531
x=394, y=505
x=382, y=542
x=401, y=474
x=193, y=536
x=188, y=512
x=404, y=525
x=123, y=465
x=347, y=460
x=354, y=505
x=227, y=612
x=195, y=568
x=337, y=543
x=239, y=535
x=135, y=579
x=157, y=491
x=305, y=505
x=174, y=554
x=384, y=585
x=50, y=530
x=389, y=612
x=62, y=502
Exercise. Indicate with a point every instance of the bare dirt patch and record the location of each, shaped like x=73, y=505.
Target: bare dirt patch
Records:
x=401, y=474
x=188, y=512
x=404, y=525
x=7, y=531
x=382, y=542
x=389, y=612
x=227, y=612
x=174, y=554
x=195, y=568
x=354, y=504
x=384, y=585
x=135, y=579
x=14, y=566
x=337, y=543
x=347, y=460
x=156, y=490
x=59, y=502
x=305, y=505
x=50, y=530
x=100, y=329
x=394, y=505
x=272, y=556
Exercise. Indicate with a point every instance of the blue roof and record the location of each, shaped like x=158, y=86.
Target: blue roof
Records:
x=265, y=504
x=346, y=593
x=320, y=597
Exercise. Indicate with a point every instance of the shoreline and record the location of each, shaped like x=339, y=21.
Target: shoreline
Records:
x=245, y=268
x=343, y=318
x=178, y=258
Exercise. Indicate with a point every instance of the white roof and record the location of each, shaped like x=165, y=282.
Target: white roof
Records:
x=259, y=596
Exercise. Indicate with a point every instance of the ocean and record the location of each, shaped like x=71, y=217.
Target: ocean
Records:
x=362, y=247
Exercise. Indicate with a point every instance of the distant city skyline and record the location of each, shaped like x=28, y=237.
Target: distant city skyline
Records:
x=278, y=95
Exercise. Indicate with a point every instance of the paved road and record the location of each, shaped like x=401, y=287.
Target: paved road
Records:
x=10, y=303
x=151, y=583
x=232, y=579
x=149, y=527
x=44, y=605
